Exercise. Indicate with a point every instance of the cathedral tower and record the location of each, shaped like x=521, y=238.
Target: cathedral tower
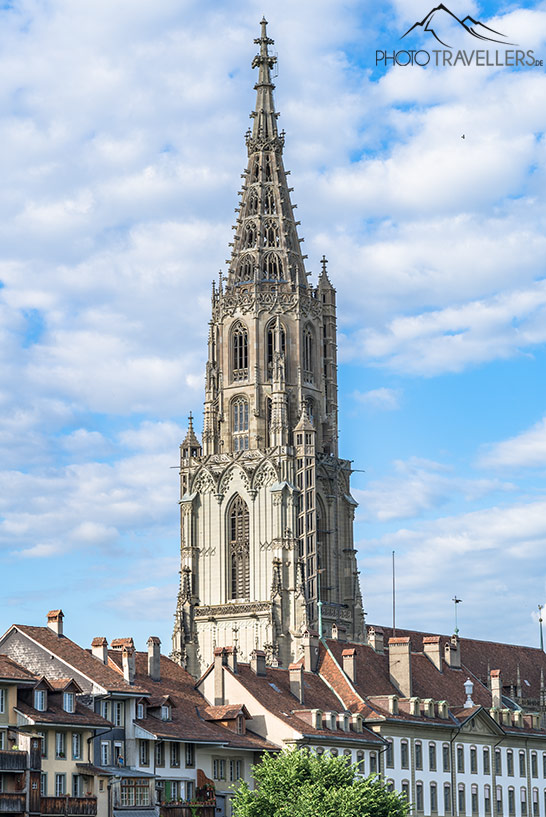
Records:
x=267, y=549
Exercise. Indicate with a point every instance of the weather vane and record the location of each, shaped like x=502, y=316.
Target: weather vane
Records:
x=456, y=601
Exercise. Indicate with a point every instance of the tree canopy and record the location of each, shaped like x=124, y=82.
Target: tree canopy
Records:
x=297, y=783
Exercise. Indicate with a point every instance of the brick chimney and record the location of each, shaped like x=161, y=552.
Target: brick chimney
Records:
x=231, y=658
x=310, y=650
x=433, y=650
x=220, y=661
x=99, y=648
x=349, y=663
x=55, y=621
x=154, y=658
x=257, y=662
x=452, y=652
x=400, y=664
x=296, y=681
x=496, y=688
x=375, y=639
x=128, y=664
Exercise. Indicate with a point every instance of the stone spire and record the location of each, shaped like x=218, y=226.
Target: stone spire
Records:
x=266, y=247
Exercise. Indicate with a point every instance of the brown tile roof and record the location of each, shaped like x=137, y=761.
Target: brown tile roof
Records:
x=83, y=716
x=187, y=723
x=12, y=671
x=228, y=712
x=82, y=661
x=60, y=684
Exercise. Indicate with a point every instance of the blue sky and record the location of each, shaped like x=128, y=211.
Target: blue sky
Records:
x=122, y=131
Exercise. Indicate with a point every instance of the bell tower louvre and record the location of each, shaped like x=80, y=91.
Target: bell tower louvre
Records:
x=267, y=553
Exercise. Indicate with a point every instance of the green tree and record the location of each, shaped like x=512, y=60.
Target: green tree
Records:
x=297, y=783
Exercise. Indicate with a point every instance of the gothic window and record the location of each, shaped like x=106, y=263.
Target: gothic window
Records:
x=238, y=533
x=310, y=408
x=269, y=203
x=249, y=239
x=268, y=415
x=268, y=171
x=271, y=335
x=308, y=350
x=239, y=426
x=252, y=208
x=255, y=175
x=239, y=344
x=271, y=235
x=246, y=269
x=272, y=270
x=322, y=548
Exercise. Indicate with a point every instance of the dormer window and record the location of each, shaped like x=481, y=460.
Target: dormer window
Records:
x=240, y=725
x=40, y=700
x=140, y=712
x=165, y=712
x=68, y=702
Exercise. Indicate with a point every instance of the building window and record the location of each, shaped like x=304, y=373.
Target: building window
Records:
x=77, y=785
x=536, y=812
x=389, y=759
x=60, y=745
x=473, y=760
x=271, y=235
x=2, y=700
x=486, y=763
x=189, y=790
x=432, y=757
x=446, y=758
x=474, y=799
x=105, y=753
x=498, y=762
x=190, y=755
x=43, y=739
x=235, y=770
x=144, y=753
x=462, y=799
x=175, y=755
x=272, y=343
x=418, y=754
x=76, y=746
x=433, y=798
x=272, y=267
x=68, y=701
x=40, y=700
x=219, y=769
x=140, y=712
x=239, y=427
x=390, y=785
x=404, y=754
x=249, y=237
x=498, y=797
x=104, y=709
x=43, y=784
x=406, y=789
x=487, y=799
x=523, y=801
x=534, y=764
x=419, y=796
x=117, y=714
x=522, y=764
x=165, y=713
x=511, y=802
x=510, y=763
x=60, y=785
x=447, y=799
x=460, y=759
x=239, y=345
x=239, y=546
x=269, y=203
x=135, y=792
x=373, y=763
x=308, y=354
x=160, y=753
x=544, y=765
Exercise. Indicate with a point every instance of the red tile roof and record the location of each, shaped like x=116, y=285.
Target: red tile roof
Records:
x=83, y=716
x=12, y=671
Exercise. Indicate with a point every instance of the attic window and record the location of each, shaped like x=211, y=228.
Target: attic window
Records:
x=68, y=701
x=165, y=712
x=274, y=686
x=40, y=700
x=140, y=712
x=240, y=725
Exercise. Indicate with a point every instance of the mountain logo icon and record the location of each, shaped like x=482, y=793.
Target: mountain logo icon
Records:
x=444, y=25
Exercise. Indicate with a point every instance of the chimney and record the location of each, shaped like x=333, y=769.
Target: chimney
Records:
x=339, y=633
x=310, y=650
x=119, y=643
x=443, y=710
x=257, y=663
x=220, y=661
x=518, y=718
x=400, y=664
x=375, y=639
x=99, y=648
x=349, y=663
x=128, y=663
x=231, y=658
x=154, y=658
x=496, y=688
x=55, y=621
x=506, y=715
x=452, y=652
x=433, y=650
x=296, y=681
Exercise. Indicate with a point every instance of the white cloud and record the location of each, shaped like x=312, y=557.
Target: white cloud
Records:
x=527, y=449
x=382, y=398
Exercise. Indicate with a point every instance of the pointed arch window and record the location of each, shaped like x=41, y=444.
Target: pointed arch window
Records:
x=268, y=417
x=272, y=269
x=252, y=207
x=239, y=547
x=271, y=235
x=249, y=238
x=239, y=424
x=246, y=267
x=308, y=354
x=268, y=170
x=271, y=346
x=270, y=208
x=239, y=345
x=255, y=175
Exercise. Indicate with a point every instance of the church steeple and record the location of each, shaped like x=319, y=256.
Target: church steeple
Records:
x=265, y=117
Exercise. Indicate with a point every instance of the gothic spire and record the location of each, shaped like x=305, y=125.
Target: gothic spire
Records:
x=265, y=118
